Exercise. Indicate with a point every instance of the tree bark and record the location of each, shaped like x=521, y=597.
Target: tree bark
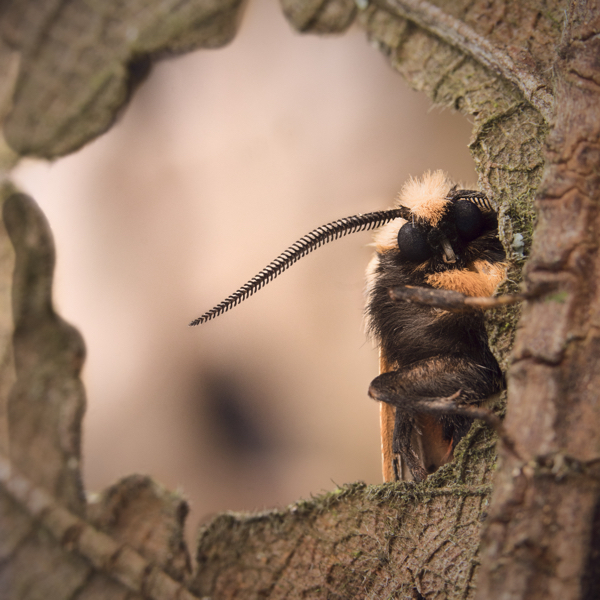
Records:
x=523, y=73
x=542, y=537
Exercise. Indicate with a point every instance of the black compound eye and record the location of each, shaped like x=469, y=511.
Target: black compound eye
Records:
x=468, y=219
x=412, y=243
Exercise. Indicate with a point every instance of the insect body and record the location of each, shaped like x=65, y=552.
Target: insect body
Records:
x=436, y=237
x=450, y=242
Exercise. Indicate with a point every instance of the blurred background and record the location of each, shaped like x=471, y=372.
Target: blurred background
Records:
x=222, y=160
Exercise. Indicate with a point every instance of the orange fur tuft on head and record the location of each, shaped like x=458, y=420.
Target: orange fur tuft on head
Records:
x=427, y=197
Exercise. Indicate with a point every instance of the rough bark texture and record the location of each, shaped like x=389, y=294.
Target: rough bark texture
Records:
x=545, y=508
x=80, y=61
x=53, y=544
x=386, y=541
x=523, y=72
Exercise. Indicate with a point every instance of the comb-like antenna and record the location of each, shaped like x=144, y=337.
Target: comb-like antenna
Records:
x=317, y=237
x=474, y=196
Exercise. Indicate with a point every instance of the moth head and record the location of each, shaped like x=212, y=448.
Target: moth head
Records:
x=443, y=222
x=461, y=223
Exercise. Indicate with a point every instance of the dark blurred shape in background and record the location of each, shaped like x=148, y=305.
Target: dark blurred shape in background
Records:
x=240, y=430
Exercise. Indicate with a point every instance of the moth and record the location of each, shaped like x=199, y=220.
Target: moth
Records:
x=437, y=237
x=449, y=241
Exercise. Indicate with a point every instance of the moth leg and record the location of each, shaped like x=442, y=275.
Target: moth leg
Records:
x=424, y=439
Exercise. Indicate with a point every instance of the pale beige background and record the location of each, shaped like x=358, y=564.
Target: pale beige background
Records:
x=222, y=160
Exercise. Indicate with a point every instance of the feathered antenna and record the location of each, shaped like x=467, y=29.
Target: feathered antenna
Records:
x=306, y=244
x=478, y=198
